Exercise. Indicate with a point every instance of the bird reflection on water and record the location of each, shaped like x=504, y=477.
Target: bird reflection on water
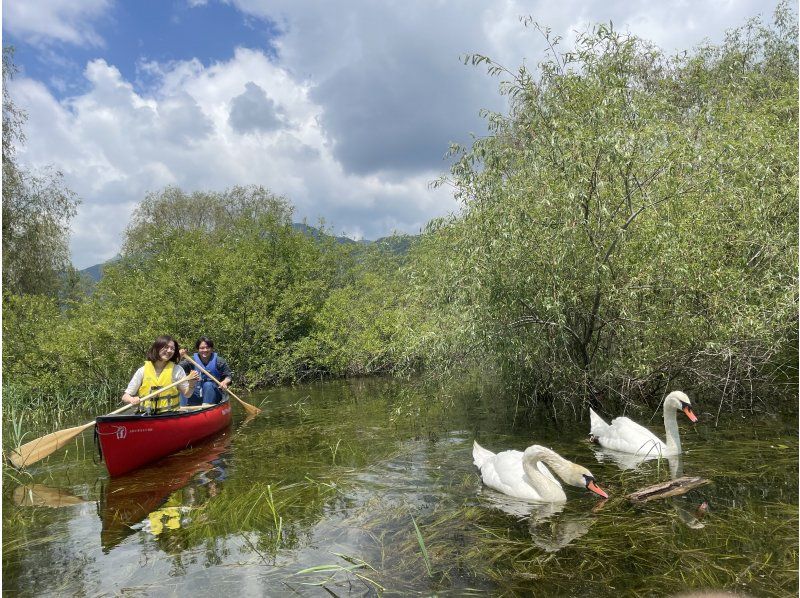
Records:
x=551, y=528
x=691, y=516
x=629, y=461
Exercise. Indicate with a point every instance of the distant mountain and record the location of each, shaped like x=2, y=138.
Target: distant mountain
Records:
x=315, y=233
x=397, y=243
x=96, y=272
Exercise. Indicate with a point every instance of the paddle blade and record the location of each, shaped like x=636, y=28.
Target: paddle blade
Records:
x=37, y=495
x=249, y=409
x=37, y=449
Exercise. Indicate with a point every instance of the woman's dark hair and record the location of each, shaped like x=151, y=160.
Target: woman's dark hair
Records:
x=160, y=343
x=203, y=339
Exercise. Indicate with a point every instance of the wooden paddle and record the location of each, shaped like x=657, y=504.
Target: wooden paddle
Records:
x=251, y=409
x=38, y=495
x=33, y=451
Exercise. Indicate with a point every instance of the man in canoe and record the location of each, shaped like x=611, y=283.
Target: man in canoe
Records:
x=160, y=369
x=207, y=392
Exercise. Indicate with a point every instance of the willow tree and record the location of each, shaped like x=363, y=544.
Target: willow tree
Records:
x=631, y=223
x=37, y=210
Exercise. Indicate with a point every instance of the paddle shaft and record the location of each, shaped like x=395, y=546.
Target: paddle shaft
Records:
x=250, y=408
x=38, y=449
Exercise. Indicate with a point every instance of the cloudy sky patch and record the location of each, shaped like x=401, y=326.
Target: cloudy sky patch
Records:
x=253, y=111
x=345, y=108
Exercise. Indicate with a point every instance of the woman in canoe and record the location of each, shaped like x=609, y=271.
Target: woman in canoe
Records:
x=160, y=369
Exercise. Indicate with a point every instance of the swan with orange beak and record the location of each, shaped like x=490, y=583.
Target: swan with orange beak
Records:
x=626, y=436
x=527, y=475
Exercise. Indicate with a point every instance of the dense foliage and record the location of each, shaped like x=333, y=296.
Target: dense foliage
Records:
x=281, y=305
x=37, y=274
x=631, y=224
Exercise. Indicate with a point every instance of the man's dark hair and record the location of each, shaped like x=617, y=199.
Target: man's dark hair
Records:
x=203, y=339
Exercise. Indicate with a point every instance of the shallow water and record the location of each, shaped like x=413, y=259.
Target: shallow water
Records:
x=323, y=494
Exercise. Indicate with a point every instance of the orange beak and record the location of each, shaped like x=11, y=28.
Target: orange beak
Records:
x=690, y=414
x=596, y=489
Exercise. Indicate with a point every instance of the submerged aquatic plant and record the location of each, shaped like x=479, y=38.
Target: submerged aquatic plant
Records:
x=332, y=570
x=276, y=519
x=406, y=506
x=422, y=546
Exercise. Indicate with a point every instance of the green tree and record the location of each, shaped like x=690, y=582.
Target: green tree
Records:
x=239, y=273
x=37, y=210
x=281, y=304
x=359, y=330
x=164, y=214
x=631, y=223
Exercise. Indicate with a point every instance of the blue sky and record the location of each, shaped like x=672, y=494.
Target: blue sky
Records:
x=126, y=34
x=346, y=108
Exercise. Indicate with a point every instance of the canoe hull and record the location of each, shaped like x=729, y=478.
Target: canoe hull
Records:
x=128, y=442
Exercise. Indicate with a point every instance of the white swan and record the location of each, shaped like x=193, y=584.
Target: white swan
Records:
x=627, y=436
x=525, y=475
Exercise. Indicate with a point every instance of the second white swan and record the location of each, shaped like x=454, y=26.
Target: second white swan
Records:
x=526, y=475
x=626, y=436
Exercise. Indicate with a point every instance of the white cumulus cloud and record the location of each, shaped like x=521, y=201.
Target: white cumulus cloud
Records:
x=349, y=119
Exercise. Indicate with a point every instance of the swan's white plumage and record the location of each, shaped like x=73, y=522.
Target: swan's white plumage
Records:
x=503, y=472
x=524, y=475
x=625, y=435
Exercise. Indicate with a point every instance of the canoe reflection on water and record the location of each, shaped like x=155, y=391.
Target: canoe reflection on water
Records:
x=160, y=497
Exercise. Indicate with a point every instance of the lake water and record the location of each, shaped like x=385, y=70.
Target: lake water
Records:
x=367, y=487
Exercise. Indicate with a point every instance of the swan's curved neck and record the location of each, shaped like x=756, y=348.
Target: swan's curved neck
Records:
x=671, y=430
x=548, y=489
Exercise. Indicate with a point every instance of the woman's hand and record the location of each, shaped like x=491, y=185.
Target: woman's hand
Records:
x=126, y=398
x=187, y=387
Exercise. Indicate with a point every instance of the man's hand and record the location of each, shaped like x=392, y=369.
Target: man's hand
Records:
x=182, y=353
x=225, y=383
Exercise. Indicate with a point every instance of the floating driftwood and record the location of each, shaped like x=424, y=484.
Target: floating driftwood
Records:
x=674, y=487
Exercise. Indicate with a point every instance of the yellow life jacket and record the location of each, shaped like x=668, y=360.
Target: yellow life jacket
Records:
x=165, y=517
x=166, y=401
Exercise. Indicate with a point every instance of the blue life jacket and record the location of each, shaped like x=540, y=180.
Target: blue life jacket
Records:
x=211, y=367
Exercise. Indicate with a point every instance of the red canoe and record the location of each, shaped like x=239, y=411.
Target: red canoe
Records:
x=130, y=441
